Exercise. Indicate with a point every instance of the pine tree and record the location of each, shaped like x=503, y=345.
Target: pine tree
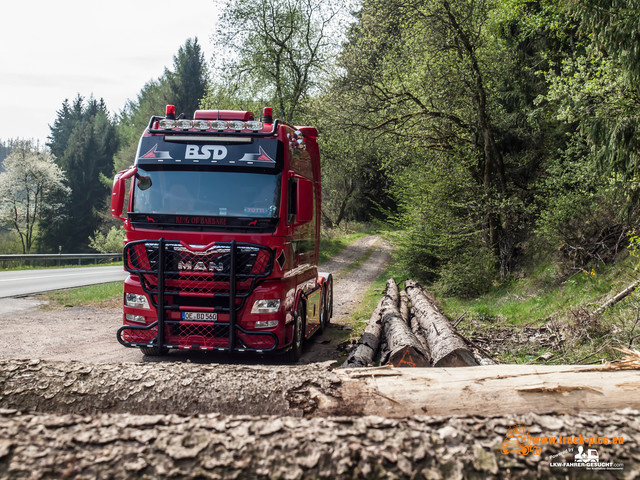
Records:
x=184, y=87
x=84, y=139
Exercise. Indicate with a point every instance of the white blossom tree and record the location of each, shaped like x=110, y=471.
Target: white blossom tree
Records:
x=28, y=185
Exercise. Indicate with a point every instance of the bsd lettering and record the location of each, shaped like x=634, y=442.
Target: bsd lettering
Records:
x=205, y=152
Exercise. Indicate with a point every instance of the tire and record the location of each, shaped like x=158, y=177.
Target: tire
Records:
x=329, y=299
x=324, y=314
x=295, y=351
x=154, y=351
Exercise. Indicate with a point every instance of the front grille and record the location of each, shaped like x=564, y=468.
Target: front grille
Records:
x=217, y=278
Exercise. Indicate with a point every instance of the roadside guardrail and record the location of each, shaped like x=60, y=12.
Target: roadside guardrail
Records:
x=59, y=258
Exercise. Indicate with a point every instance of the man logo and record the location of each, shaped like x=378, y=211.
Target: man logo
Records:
x=205, y=152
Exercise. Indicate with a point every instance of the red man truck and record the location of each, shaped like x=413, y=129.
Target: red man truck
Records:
x=222, y=235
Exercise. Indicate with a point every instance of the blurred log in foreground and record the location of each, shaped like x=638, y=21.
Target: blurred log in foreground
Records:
x=315, y=390
x=218, y=446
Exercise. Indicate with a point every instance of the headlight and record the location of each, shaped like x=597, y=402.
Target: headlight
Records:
x=266, y=323
x=270, y=305
x=135, y=300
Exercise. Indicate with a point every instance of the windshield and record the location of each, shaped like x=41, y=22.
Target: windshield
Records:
x=209, y=193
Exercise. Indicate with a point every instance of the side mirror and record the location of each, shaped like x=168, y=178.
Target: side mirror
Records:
x=119, y=190
x=304, y=200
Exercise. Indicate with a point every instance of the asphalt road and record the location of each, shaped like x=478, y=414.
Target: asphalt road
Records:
x=26, y=282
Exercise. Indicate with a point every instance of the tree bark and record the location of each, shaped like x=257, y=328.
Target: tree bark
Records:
x=315, y=390
x=404, y=307
x=216, y=446
x=447, y=348
x=405, y=349
x=364, y=353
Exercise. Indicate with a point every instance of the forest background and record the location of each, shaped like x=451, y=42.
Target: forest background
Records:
x=485, y=134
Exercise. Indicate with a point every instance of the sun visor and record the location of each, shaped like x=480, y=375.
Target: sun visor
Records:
x=241, y=152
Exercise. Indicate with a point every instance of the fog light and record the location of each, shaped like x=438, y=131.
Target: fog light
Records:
x=266, y=305
x=185, y=124
x=134, y=318
x=167, y=124
x=236, y=125
x=219, y=125
x=266, y=323
x=254, y=125
x=202, y=124
x=135, y=300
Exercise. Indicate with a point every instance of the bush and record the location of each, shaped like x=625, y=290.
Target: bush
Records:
x=111, y=243
x=470, y=273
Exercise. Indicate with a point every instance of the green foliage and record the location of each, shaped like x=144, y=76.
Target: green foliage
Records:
x=83, y=139
x=112, y=242
x=184, y=87
x=440, y=225
x=276, y=51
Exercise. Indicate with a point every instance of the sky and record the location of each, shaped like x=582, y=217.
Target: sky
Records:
x=52, y=50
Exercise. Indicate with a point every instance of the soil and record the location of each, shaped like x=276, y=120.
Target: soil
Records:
x=29, y=329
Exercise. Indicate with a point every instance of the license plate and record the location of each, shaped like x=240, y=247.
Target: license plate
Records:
x=200, y=316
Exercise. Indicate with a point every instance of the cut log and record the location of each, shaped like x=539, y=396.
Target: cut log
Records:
x=365, y=352
x=447, y=347
x=405, y=349
x=315, y=390
x=404, y=306
x=224, y=447
x=417, y=331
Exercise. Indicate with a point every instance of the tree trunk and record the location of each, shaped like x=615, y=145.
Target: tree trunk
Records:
x=405, y=349
x=404, y=307
x=447, y=348
x=216, y=446
x=364, y=353
x=315, y=390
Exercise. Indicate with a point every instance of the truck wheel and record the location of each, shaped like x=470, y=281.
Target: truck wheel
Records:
x=324, y=314
x=153, y=351
x=329, y=299
x=294, y=353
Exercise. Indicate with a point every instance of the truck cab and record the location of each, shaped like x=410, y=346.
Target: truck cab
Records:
x=222, y=235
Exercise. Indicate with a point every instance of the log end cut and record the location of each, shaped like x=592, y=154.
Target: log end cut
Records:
x=408, y=356
x=460, y=357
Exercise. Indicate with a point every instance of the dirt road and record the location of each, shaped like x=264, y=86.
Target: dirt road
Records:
x=87, y=334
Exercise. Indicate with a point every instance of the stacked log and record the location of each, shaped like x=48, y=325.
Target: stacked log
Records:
x=417, y=335
x=405, y=350
x=364, y=353
x=448, y=348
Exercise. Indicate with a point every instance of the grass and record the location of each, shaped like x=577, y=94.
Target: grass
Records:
x=75, y=265
x=104, y=294
x=332, y=246
x=370, y=301
x=541, y=306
